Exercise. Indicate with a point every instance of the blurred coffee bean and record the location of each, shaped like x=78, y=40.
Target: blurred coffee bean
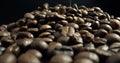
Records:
x=44, y=27
x=86, y=35
x=115, y=24
x=3, y=33
x=100, y=33
x=74, y=25
x=8, y=58
x=61, y=58
x=63, y=50
x=28, y=58
x=36, y=53
x=31, y=23
x=39, y=44
x=44, y=34
x=14, y=49
x=114, y=47
x=90, y=55
x=106, y=27
x=83, y=60
x=103, y=47
x=116, y=31
x=112, y=37
x=6, y=41
x=21, y=35
x=63, y=39
x=114, y=59
x=29, y=15
x=24, y=42
x=99, y=41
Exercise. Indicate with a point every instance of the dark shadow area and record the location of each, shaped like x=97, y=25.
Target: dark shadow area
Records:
x=12, y=10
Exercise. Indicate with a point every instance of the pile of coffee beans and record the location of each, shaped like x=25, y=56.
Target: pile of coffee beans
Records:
x=62, y=34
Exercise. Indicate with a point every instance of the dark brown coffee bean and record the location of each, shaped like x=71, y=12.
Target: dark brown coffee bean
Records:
x=33, y=30
x=21, y=22
x=95, y=25
x=39, y=44
x=46, y=39
x=24, y=42
x=11, y=26
x=115, y=24
x=75, y=39
x=3, y=33
x=103, y=53
x=44, y=27
x=99, y=41
x=83, y=60
x=60, y=58
x=74, y=25
x=31, y=23
x=52, y=46
x=36, y=53
x=76, y=47
x=106, y=27
x=7, y=58
x=23, y=28
x=24, y=35
x=63, y=50
x=114, y=47
x=112, y=37
x=63, y=39
x=29, y=15
x=101, y=33
x=89, y=46
x=114, y=59
x=116, y=31
x=90, y=55
x=103, y=47
x=86, y=36
x=28, y=58
x=44, y=34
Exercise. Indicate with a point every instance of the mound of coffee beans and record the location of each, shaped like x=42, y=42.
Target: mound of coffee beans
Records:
x=62, y=34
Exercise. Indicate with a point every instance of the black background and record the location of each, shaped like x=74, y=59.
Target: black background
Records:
x=11, y=10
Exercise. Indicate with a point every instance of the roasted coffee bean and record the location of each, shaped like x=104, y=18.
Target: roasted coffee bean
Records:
x=114, y=47
x=116, y=31
x=63, y=39
x=2, y=49
x=52, y=46
x=101, y=33
x=86, y=35
x=33, y=30
x=44, y=34
x=83, y=60
x=63, y=50
x=115, y=24
x=61, y=58
x=95, y=25
x=24, y=35
x=8, y=58
x=39, y=44
x=90, y=55
x=103, y=47
x=11, y=26
x=99, y=41
x=36, y=53
x=31, y=23
x=29, y=15
x=21, y=22
x=44, y=27
x=74, y=25
x=46, y=39
x=114, y=59
x=24, y=42
x=89, y=46
x=3, y=33
x=28, y=58
x=112, y=37
x=106, y=27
